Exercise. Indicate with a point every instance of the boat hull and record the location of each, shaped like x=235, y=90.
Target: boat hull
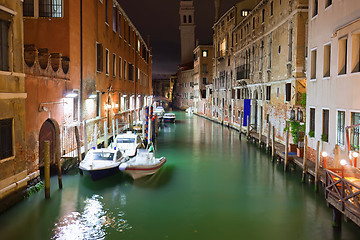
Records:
x=169, y=120
x=97, y=174
x=140, y=171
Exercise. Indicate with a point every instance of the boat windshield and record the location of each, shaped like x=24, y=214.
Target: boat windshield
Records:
x=125, y=140
x=107, y=156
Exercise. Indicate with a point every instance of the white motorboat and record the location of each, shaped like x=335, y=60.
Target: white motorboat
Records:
x=127, y=143
x=169, y=117
x=143, y=164
x=102, y=162
x=189, y=110
x=159, y=111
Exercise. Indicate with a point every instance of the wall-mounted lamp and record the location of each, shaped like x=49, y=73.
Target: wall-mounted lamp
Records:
x=124, y=95
x=324, y=155
x=107, y=106
x=92, y=96
x=71, y=95
x=116, y=105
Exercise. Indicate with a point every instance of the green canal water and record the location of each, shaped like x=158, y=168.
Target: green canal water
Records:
x=213, y=186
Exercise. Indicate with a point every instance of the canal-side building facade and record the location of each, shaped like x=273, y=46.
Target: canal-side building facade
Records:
x=85, y=65
x=333, y=76
x=269, y=62
x=13, y=165
x=203, y=58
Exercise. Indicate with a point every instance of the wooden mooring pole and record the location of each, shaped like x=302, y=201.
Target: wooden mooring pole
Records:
x=268, y=138
x=304, y=161
x=336, y=218
x=47, y=168
x=286, y=150
x=85, y=137
x=241, y=123
x=78, y=143
x=273, y=151
x=105, y=134
x=248, y=128
x=317, y=166
x=260, y=132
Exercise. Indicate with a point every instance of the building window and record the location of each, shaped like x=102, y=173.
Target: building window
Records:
x=263, y=15
x=131, y=71
x=271, y=8
x=107, y=60
x=312, y=121
x=50, y=8
x=190, y=19
x=325, y=130
x=340, y=128
x=354, y=134
x=268, y=92
x=98, y=104
x=270, y=51
x=115, y=19
x=204, y=68
x=205, y=53
x=355, y=53
x=99, y=57
x=315, y=7
x=253, y=23
x=114, y=65
x=313, y=64
x=129, y=35
x=244, y=13
x=76, y=107
x=184, y=19
x=342, y=56
x=287, y=92
x=119, y=24
x=6, y=138
x=120, y=62
x=328, y=3
x=28, y=8
x=327, y=60
x=106, y=11
x=125, y=72
x=204, y=80
x=4, y=47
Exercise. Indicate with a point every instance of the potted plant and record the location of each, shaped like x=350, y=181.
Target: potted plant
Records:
x=294, y=131
x=312, y=134
x=300, y=146
x=324, y=137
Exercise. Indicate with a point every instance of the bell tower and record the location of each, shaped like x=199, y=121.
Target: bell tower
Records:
x=187, y=30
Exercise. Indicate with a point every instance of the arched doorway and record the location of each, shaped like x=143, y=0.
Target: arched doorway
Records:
x=49, y=131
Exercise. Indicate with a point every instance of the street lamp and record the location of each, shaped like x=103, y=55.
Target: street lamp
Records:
x=324, y=154
x=343, y=162
x=355, y=155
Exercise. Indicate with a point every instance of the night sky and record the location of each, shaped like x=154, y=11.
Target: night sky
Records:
x=160, y=19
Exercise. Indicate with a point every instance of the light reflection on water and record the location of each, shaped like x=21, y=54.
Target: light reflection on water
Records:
x=92, y=222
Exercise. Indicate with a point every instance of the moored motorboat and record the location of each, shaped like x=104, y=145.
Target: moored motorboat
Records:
x=143, y=164
x=159, y=111
x=102, y=162
x=169, y=117
x=127, y=143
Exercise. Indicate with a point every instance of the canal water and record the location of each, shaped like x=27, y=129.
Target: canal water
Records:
x=213, y=186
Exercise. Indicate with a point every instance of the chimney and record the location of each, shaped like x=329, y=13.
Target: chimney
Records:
x=217, y=9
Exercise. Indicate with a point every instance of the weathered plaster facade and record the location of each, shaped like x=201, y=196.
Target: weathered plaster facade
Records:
x=13, y=166
x=333, y=75
x=94, y=51
x=270, y=61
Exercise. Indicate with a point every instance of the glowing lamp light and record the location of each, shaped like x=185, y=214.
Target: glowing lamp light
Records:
x=116, y=105
x=324, y=154
x=92, y=96
x=355, y=154
x=343, y=162
x=71, y=95
x=107, y=106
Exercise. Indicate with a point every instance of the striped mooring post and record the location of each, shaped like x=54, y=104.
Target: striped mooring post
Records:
x=147, y=124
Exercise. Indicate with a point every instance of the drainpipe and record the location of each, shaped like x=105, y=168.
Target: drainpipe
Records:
x=81, y=63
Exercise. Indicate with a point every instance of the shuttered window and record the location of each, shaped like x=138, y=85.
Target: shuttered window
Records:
x=6, y=138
